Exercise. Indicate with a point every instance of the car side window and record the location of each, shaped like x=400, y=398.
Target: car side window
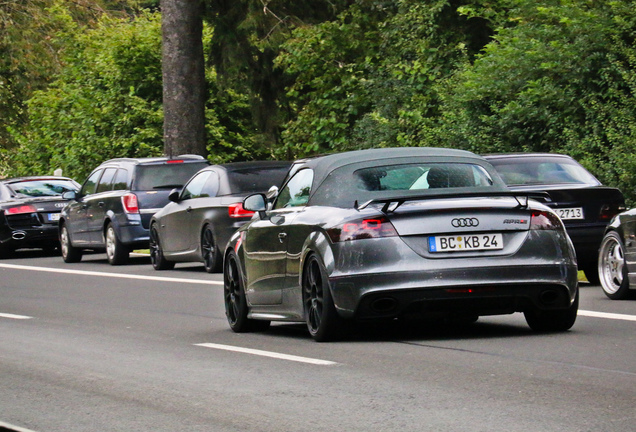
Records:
x=121, y=180
x=211, y=187
x=90, y=185
x=194, y=188
x=296, y=192
x=106, y=182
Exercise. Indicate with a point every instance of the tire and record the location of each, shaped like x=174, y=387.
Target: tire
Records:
x=70, y=254
x=235, y=301
x=553, y=320
x=158, y=261
x=209, y=251
x=323, y=321
x=611, y=267
x=116, y=252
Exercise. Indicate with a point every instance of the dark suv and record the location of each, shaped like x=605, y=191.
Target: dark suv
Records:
x=113, y=208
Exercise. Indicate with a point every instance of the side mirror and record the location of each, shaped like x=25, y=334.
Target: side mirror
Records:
x=70, y=195
x=255, y=203
x=174, y=195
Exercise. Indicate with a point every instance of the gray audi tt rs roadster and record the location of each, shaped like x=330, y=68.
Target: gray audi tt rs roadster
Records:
x=397, y=233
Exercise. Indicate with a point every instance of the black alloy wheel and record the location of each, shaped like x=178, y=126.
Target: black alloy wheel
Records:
x=235, y=301
x=611, y=267
x=157, y=259
x=323, y=321
x=209, y=251
x=69, y=253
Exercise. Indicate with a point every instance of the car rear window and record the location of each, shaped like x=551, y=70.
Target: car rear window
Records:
x=255, y=179
x=542, y=171
x=42, y=188
x=419, y=176
x=165, y=175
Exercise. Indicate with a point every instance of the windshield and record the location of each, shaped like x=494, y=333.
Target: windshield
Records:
x=43, y=188
x=542, y=171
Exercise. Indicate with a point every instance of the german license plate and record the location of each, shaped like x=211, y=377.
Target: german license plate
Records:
x=465, y=243
x=570, y=213
x=53, y=217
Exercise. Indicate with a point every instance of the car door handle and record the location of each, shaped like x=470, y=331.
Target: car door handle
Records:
x=282, y=236
x=189, y=209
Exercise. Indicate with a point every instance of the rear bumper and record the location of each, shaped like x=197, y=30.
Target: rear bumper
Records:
x=38, y=237
x=482, y=291
x=387, y=278
x=586, y=240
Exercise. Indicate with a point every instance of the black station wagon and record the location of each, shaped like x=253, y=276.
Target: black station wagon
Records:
x=113, y=208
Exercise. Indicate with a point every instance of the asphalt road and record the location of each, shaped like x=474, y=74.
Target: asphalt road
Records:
x=90, y=347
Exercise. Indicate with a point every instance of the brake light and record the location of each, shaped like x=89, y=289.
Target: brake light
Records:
x=20, y=210
x=236, y=210
x=362, y=229
x=130, y=203
x=174, y=161
x=608, y=212
x=542, y=220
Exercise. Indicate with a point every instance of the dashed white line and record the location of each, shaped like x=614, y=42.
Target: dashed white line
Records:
x=111, y=275
x=606, y=315
x=268, y=354
x=12, y=316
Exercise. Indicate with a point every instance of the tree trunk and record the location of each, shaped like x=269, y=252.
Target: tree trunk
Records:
x=184, y=92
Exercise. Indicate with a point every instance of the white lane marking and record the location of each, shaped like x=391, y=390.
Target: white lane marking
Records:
x=112, y=275
x=613, y=316
x=12, y=316
x=10, y=427
x=268, y=354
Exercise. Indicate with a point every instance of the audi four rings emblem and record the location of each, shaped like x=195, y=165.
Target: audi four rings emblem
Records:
x=465, y=222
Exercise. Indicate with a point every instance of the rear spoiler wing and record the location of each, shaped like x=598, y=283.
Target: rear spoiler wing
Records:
x=391, y=204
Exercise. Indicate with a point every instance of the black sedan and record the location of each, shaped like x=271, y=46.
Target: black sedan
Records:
x=580, y=200
x=29, y=210
x=616, y=264
x=199, y=221
x=398, y=233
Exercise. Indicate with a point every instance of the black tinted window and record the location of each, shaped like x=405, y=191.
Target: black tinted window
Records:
x=255, y=179
x=121, y=180
x=545, y=170
x=106, y=182
x=165, y=176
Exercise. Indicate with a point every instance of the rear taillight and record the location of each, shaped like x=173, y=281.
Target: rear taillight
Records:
x=609, y=211
x=237, y=211
x=130, y=203
x=366, y=228
x=20, y=210
x=545, y=220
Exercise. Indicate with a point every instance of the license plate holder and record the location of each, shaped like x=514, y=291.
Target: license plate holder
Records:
x=465, y=242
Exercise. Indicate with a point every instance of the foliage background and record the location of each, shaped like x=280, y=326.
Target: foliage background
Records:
x=80, y=81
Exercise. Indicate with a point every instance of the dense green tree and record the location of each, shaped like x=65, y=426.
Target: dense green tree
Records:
x=368, y=78
x=557, y=77
x=246, y=40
